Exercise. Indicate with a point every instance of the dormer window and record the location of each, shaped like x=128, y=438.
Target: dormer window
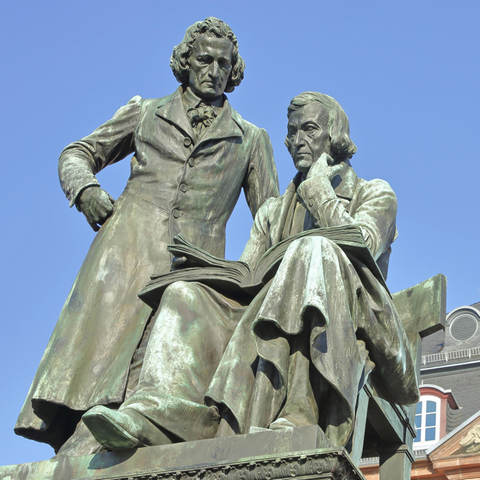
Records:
x=431, y=415
x=427, y=421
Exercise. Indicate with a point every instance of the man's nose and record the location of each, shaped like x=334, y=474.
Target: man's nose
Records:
x=214, y=70
x=299, y=139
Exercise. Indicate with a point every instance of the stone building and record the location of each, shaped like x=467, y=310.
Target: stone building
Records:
x=447, y=419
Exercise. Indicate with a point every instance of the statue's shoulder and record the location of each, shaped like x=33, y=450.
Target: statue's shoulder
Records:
x=274, y=205
x=242, y=122
x=135, y=99
x=375, y=188
x=154, y=102
x=247, y=127
x=377, y=184
x=158, y=102
x=269, y=210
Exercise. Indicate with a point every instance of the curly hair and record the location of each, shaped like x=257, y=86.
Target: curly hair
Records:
x=338, y=127
x=211, y=26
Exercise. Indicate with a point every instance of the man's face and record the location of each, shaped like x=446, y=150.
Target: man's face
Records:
x=210, y=66
x=308, y=135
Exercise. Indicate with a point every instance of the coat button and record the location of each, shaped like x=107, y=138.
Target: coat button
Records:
x=176, y=213
x=187, y=141
x=310, y=202
x=183, y=187
x=191, y=162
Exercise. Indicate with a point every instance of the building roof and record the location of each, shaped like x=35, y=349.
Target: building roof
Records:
x=451, y=360
x=433, y=343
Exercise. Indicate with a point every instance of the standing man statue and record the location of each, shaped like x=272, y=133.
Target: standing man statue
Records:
x=193, y=155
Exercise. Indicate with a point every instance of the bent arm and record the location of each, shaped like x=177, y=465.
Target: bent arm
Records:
x=111, y=142
x=375, y=215
x=261, y=180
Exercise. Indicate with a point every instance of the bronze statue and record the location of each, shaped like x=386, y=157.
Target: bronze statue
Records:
x=193, y=155
x=300, y=351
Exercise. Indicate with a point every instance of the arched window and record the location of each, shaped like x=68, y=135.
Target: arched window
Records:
x=427, y=421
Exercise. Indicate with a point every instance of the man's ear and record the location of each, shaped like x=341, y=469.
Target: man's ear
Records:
x=287, y=144
x=184, y=60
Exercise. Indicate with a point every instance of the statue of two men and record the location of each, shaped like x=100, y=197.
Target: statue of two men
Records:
x=300, y=351
x=209, y=364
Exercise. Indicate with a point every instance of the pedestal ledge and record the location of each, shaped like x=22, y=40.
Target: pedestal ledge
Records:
x=304, y=453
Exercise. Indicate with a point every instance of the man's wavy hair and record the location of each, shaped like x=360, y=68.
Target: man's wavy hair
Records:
x=212, y=27
x=338, y=127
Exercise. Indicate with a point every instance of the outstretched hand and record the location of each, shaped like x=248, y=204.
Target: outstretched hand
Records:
x=324, y=167
x=97, y=205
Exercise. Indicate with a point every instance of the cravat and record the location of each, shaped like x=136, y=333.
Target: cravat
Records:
x=201, y=118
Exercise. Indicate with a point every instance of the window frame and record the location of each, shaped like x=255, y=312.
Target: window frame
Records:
x=420, y=442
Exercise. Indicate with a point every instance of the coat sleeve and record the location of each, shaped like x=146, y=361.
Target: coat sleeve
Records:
x=111, y=142
x=261, y=180
x=375, y=215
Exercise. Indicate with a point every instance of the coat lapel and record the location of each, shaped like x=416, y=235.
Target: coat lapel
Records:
x=226, y=125
x=172, y=110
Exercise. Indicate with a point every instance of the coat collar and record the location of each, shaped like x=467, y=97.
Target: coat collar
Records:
x=227, y=124
x=346, y=188
x=171, y=109
x=190, y=100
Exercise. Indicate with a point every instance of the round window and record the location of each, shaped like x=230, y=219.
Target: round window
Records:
x=464, y=326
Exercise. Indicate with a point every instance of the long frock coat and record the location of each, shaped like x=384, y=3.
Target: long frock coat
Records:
x=176, y=186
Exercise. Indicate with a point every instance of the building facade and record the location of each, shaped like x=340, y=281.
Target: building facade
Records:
x=447, y=419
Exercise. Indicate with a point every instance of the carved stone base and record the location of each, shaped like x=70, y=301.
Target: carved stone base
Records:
x=302, y=453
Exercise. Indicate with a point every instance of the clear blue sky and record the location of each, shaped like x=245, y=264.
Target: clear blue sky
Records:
x=407, y=74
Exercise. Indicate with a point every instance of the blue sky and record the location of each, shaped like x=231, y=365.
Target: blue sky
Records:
x=406, y=73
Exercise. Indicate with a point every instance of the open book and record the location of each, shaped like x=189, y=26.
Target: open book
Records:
x=238, y=277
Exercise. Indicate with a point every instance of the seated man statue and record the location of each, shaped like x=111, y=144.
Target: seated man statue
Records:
x=300, y=351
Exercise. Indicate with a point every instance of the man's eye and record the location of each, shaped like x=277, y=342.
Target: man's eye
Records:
x=310, y=128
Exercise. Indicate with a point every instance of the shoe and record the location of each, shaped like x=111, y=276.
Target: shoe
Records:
x=110, y=428
x=120, y=430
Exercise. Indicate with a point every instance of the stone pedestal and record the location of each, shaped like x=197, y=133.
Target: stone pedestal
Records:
x=303, y=453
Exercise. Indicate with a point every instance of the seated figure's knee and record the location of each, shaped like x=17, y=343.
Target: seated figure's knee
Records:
x=180, y=292
x=311, y=244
